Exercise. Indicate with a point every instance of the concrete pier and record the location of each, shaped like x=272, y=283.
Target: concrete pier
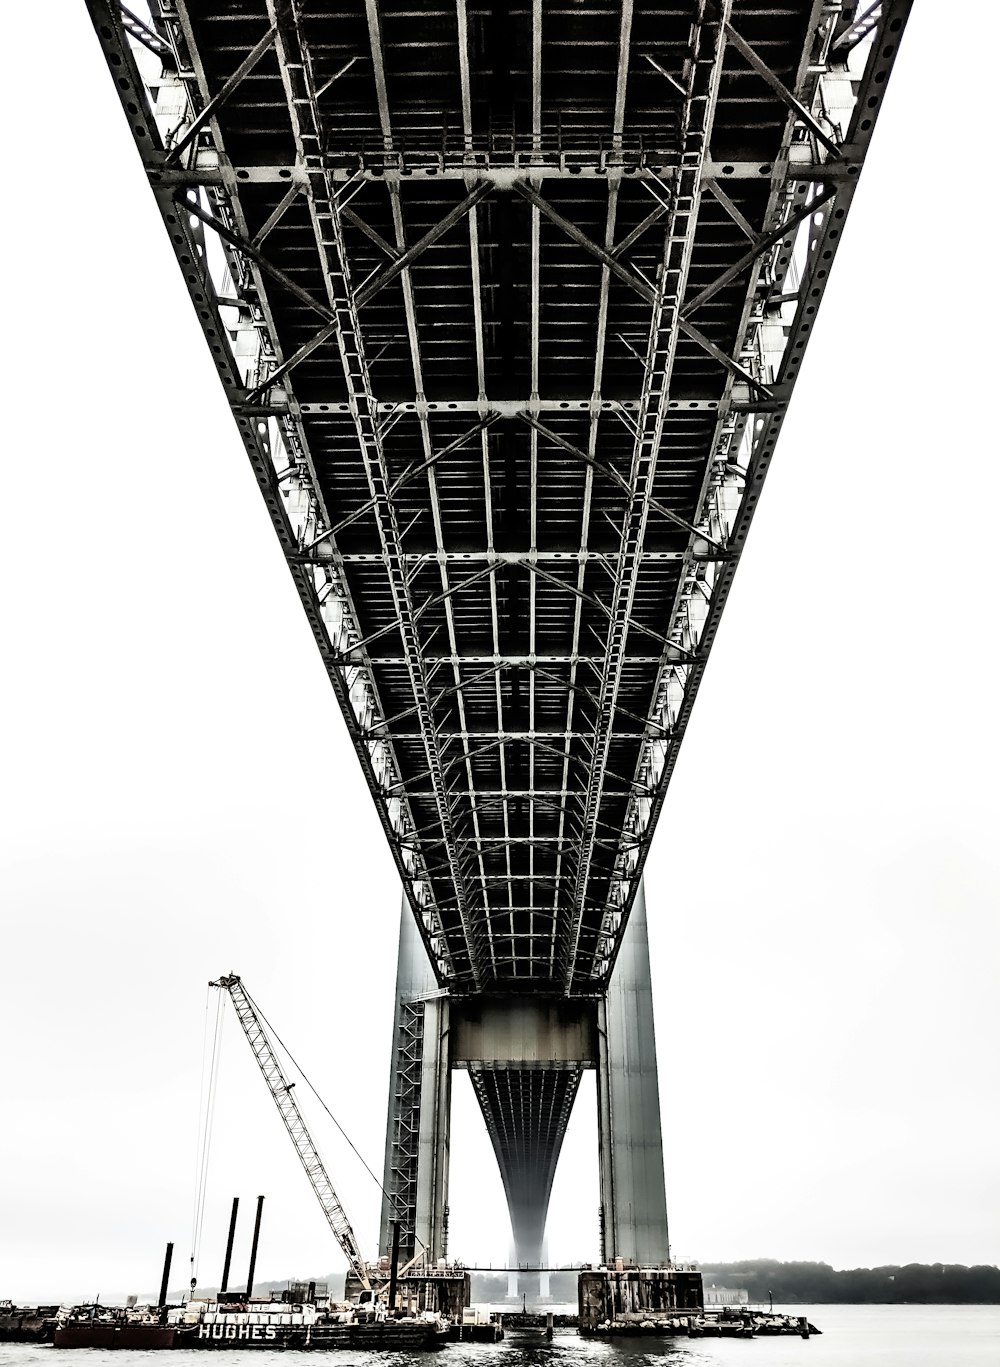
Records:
x=633, y=1193
x=525, y=1055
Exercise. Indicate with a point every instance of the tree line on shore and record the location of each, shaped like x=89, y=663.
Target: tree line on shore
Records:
x=801, y=1283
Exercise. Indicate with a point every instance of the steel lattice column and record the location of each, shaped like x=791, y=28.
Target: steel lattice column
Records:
x=415, y=1180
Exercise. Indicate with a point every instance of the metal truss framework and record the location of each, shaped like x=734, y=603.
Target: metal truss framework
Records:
x=509, y=307
x=403, y=1140
x=527, y=1112
x=288, y=1108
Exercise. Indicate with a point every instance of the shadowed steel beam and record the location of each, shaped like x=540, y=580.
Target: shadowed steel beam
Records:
x=503, y=174
x=304, y=352
x=443, y=597
x=672, y=80
x=406, y=258
x=537, y=38
x=630, y=277
x=782, y=91
x=373, y=236
x=276, y=215
x=611, y=473
x=216, y=102
x=640, y=229
x=697, y=118
x=617, y=131
x=410, y=473
x=733, y=210
x=762, y=245
x=725, y=361
x=413, y=470
x=608, y=258
x=374, y=22
x=243, y=245
x=479, y=329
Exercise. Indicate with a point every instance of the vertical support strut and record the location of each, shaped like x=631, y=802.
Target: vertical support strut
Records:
x=224, y=1284
x=253, y=1247
x=167, y=1260
x=633, y=1194
x=434, y=1139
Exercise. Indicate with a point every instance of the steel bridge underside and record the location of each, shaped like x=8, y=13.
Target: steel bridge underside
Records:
x=527, y=1112
x=508, y=303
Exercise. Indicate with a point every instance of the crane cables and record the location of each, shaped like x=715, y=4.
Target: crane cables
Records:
x=210, y=1058
x=393, y=1201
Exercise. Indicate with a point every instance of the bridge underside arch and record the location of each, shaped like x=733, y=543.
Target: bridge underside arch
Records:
x=526, y=1113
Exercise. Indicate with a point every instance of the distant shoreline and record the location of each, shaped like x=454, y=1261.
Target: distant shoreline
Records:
x=807, y=1283
x=787, y=1283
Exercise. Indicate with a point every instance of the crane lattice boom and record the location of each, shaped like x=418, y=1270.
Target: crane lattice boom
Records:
x=284, y=1099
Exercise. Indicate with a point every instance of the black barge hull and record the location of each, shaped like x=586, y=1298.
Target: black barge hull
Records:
x=389, y=1336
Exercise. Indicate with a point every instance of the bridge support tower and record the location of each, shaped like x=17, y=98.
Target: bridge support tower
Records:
x=525, y=1056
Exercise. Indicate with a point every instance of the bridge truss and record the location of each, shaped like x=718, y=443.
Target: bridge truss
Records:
x=509, y=304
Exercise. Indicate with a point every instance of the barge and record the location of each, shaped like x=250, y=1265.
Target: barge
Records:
x=114, y=1330
x=627, y=1300
x=279, y=1324
x=252, y=1324
x=27, y=1323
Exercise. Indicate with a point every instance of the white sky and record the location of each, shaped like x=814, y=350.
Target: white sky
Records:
x=179, y=797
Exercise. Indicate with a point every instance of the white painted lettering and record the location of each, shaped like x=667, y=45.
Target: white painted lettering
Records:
x=270, y=1332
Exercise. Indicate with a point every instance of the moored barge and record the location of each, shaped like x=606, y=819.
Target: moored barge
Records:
x=275, y=1324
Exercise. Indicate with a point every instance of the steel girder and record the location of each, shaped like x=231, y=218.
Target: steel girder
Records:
x=508, y=333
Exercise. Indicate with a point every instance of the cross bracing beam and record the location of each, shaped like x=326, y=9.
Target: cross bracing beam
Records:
x=180, y=146
x=590, y=164
x=512, y=489
x=704, y=70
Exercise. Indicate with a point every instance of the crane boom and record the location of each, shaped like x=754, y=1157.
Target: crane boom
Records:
x=284, y=1099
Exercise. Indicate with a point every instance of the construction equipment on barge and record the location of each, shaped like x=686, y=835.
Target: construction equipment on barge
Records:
x=379, y=1293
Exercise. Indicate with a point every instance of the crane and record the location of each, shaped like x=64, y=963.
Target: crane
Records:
x=284, y=1099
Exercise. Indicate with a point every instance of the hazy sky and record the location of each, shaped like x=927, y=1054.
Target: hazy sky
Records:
x=179, y=797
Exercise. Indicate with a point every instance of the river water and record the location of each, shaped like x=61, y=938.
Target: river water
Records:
x=853, y=1336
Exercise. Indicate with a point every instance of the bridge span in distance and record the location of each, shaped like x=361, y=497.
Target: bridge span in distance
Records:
x=509, y=303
